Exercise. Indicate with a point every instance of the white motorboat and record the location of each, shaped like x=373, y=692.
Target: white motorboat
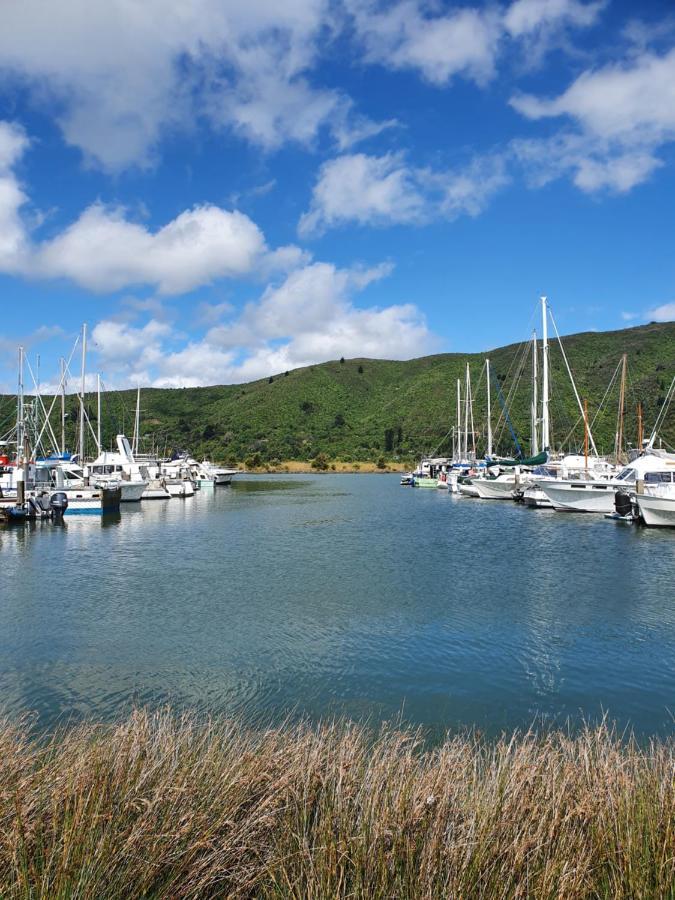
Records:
x=502, y=487
x=567, y=468
x=535, y=498
x=218, y=474
x=156, y=490
x=179, y=487
x=597, y=496
x=467, y=488
x=119, y=466
x=656, y=504
x=92, y=500
x=657, y=510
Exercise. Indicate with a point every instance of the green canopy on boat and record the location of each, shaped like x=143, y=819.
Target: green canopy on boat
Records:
x=537, y=460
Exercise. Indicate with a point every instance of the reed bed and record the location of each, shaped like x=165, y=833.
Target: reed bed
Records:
x=164, y=806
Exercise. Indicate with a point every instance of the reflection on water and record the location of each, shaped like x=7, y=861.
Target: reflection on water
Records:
x=340, y=594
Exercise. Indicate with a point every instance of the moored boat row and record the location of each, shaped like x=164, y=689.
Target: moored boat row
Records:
x=637, y=485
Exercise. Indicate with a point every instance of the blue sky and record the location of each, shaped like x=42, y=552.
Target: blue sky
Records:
x=223, y=191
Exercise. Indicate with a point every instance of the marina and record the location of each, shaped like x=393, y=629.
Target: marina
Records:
x=332, y=595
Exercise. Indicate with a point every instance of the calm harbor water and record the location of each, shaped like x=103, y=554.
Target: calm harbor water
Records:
x=340, y=594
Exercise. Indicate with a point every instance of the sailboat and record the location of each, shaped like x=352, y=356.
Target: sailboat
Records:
x=597, y=495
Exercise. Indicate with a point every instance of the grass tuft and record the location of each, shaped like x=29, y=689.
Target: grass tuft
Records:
x=165, y=806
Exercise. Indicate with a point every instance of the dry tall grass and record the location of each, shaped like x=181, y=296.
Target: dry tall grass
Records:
x=165, y=807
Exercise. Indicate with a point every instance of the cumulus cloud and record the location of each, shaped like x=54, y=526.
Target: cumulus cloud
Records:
x=387, y=190
x=664, y=313
x=307, y=318
x=623, y=114
x=13, y=143
x=104, y=251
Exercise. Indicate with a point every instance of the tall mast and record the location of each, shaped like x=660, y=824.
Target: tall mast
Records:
x=20, y=423
x=459, y=419
x=586, y=434
x=639, y=434
x=473, y=430
x=137, y=421
x=622, y=400
x=98, y=411
x=466, y=413
x=489, y=418
x=84, y=363
x=63, y=406
x=545, y=438
x=534, y=436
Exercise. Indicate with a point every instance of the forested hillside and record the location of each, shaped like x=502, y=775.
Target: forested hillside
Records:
x=364, y=409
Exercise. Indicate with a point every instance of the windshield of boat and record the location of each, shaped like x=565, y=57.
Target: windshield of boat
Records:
x=658, y=477
x=626, y=474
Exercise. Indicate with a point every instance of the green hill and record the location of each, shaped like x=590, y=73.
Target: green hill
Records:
x=362, y=409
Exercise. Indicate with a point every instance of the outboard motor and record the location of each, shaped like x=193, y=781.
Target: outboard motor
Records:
x=623, y=503
x=58, y=504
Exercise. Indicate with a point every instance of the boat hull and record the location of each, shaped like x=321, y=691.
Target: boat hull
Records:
x=156, y=492
x=95, y=502
x=425, y=483
x=580, y=497
x=180, y=489
x=657, y=511
x=488, y=489
x=132, y=491
x=535, y=498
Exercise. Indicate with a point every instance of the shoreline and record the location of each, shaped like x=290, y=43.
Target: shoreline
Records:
x=335, y=467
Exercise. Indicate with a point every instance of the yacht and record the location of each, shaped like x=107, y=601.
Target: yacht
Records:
x=656, y=505
x=120, y=466
x=597, y=495
x=217, y=474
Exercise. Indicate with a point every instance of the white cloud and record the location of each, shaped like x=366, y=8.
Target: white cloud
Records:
x=623, y=113
x=103, y=250
x=13, y=143
x=629, y=316
x=118, y=75
x=664, y=313
x=119, y=343
x=592, y=164
x=525, y=17
x=404, y=36
x=464, y=41
x=308, y=318
x=386, y=190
